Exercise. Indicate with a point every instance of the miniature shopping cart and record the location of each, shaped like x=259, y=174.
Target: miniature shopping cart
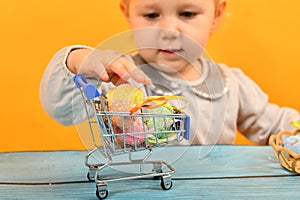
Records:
x=115, y=142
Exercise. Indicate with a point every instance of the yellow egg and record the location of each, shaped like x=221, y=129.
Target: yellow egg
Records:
x=123, y=98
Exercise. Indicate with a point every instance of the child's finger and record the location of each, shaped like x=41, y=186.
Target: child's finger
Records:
x=116, y=80
x=95, y=69
x=118, y=68
x=131, y=71
x=102, y=73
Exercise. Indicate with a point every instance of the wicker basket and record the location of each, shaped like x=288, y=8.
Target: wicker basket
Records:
x=288, y=159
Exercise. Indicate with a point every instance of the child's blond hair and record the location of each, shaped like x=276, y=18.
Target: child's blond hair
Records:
x=126, y=2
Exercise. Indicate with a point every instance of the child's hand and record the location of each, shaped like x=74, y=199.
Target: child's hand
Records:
x=109, y=65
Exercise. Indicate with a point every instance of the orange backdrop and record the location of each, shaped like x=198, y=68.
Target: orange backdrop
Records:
x=261, y=37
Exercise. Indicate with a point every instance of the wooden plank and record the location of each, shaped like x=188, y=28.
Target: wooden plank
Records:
x=190, y=162
x=229, y=161
x=42, y=166
x=232, y=188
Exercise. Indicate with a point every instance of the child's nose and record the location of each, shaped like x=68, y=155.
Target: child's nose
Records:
x=170, y=25
x=169, y=34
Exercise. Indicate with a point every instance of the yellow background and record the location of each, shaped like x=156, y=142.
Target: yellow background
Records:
x=259, y=36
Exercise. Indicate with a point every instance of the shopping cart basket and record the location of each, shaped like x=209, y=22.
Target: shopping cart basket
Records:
x=115, y=142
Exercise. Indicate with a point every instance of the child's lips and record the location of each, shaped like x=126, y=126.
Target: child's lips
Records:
x=170, y=51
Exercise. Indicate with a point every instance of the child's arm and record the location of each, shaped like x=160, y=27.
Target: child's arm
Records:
x=258, y=118
x=108, y=65
x=59, y=96
x=76, y=58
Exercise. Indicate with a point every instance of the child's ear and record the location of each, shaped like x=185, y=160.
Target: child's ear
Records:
x=220, y=10
x=125, y=9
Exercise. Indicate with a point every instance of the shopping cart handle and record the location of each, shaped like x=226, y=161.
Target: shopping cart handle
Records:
x=89, y=89
x=187, y=128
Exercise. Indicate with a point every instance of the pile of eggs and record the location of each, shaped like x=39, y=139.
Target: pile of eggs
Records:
x=131, y=129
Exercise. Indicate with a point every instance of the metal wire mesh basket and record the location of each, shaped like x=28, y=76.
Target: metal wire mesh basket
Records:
x=131, y=134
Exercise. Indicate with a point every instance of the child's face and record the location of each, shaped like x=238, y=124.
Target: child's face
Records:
x=167, y=24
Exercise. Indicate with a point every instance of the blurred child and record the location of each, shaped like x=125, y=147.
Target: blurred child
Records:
x=170, y=36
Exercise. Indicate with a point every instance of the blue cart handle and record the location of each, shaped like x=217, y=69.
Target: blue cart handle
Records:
x=187, y=127
x=89, y=89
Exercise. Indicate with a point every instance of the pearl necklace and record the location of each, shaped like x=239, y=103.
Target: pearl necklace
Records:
x=212, y=85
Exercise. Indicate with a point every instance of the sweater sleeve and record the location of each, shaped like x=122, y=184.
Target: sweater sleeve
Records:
x=258, y=119
x=59, y=97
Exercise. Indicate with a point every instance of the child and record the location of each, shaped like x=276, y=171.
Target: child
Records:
x=222, y=99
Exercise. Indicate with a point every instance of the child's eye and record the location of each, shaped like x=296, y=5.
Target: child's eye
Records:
x=187, y=14
x=151, y=15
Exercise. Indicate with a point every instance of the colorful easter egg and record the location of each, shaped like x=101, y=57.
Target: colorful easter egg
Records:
x=161, y=126
x=293, y=143
x=123, y=98
x=296, y=124
x=160, y=123
x=131, y=135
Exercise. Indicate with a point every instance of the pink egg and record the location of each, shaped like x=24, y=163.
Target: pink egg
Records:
x=132, y=134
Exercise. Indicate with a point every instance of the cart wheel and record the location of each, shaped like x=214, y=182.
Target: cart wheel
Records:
x=101, y=194
x=92, y=173
x=166, y=185
x=90, y=177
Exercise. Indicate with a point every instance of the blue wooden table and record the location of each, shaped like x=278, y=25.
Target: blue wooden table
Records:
x=202, y=172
